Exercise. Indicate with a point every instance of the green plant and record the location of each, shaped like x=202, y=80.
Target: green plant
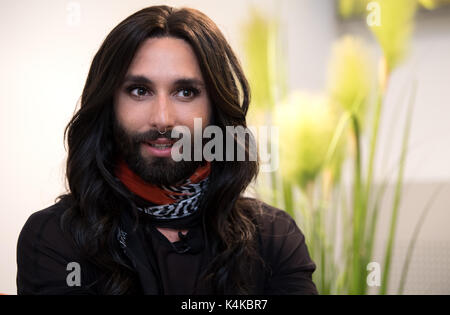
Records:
x=320, y=133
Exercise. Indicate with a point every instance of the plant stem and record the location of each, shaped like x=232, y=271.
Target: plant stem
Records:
x=358, y=212
x=397, y=197
x=373, y=145
x=288, y=200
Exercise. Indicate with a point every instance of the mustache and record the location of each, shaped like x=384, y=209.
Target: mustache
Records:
x=152, y=135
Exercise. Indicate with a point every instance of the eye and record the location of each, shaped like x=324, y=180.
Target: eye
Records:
x=187, y=93
x=138, y=91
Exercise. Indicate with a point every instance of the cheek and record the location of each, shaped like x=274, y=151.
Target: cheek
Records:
x=128, y=116
x=120, y=110
x=208, y=117
x=201, y=110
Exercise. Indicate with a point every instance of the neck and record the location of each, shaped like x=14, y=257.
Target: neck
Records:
x=155, y=194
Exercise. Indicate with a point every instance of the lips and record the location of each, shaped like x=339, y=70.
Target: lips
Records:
x=161, y=143
x=160, y=147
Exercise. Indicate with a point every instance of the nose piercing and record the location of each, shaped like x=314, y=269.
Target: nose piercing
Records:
x=161, y=133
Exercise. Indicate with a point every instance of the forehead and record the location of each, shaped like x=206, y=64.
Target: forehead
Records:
x=165, y=58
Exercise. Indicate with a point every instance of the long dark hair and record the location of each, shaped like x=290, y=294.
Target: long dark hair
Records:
x=97, y=199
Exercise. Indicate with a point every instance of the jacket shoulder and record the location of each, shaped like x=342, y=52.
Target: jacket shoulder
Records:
x=44, y=253
x=45, y=216
x=44, y=225
x=284, y=251
x=271, y=221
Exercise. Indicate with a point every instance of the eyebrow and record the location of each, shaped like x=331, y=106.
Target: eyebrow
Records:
x=131, y=78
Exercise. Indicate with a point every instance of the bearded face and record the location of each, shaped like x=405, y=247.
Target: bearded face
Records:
x=163, y=88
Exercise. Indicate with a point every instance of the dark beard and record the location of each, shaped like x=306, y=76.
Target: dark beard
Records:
x=155, y=170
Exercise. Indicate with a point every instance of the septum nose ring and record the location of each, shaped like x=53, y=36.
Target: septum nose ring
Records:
x=161, y=133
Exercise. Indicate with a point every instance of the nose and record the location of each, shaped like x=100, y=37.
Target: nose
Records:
x=162, y=115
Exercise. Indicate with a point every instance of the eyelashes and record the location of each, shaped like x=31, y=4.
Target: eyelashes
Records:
x=185, y=92
x=192, y=90
x=137, y=91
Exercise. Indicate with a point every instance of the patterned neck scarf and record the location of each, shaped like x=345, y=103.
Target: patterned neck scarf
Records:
x=168, y=202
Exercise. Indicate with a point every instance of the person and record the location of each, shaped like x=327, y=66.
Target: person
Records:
x=134, y=220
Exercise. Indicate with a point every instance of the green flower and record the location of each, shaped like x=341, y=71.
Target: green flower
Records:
x=429, y=4
x=262, y=60
x=395, y=29
x=306, y=123
x=433, y=4
x=350, y=8
x=351, y=75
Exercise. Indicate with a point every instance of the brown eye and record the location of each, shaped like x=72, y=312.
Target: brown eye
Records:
x=187, y=93
x=139, y=91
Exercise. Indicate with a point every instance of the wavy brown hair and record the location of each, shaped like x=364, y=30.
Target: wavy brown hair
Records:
x=97, y=199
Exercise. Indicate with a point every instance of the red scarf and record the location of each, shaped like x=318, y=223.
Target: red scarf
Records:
x=150, y=192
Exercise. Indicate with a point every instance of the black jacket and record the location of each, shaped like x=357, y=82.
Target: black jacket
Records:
x=46, y=257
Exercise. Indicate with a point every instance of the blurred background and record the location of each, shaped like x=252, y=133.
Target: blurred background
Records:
x=358, y=89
